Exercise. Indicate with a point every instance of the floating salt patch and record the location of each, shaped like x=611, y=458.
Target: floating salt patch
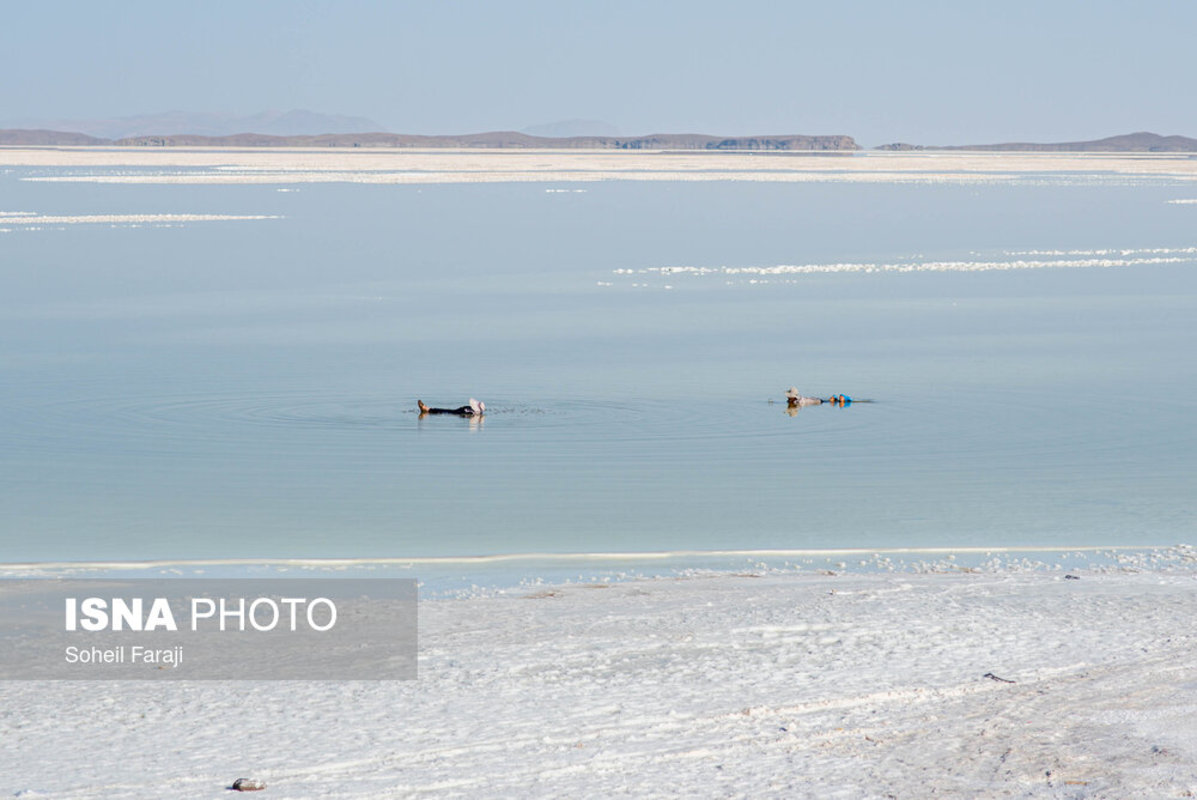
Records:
x=1181, y=256
x=1188, y=201
x=29, y=218
x=1104, y=252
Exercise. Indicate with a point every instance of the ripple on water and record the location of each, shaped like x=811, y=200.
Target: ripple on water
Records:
x=165, y=418
x=905, y=431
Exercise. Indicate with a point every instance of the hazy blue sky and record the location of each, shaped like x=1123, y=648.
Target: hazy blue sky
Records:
x=919, y=71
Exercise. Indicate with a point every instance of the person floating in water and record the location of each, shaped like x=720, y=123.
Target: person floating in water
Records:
x=476, y=408
x=796, y=400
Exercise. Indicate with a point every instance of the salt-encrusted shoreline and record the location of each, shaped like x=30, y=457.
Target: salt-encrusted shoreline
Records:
x=1008, y=683
x=292, y=166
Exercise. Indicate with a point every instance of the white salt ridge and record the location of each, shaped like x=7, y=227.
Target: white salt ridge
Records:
x=1106, y=252
x=30, y=218
x=797, y=686
x=1099, y=258
x=1188, y=201
x=229, y=176
x=1138, y=554
x=402, y=166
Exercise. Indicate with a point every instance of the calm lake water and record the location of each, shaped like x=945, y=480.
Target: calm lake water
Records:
x=231, y=389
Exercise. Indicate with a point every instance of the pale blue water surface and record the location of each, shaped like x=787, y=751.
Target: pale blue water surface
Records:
x=247, y=389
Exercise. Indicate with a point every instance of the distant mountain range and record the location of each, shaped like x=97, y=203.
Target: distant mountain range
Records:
x=322, y=130
x=504, y=139
x=1142, y=142
x=296, y=122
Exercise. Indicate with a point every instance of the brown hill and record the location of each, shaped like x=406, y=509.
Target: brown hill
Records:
x=1142, y=142
x=47, y=138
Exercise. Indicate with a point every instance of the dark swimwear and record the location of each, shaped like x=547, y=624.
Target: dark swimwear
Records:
x=463, y=411
x=472, y=409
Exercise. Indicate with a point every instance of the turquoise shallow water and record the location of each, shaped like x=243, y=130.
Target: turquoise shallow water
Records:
x=247, y=389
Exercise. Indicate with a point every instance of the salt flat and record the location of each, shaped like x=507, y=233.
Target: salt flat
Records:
x=363, y=165
x=1015, y=681
x=1006, y=683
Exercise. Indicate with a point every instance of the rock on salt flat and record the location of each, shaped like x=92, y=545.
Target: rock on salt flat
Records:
x=822, y=686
